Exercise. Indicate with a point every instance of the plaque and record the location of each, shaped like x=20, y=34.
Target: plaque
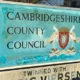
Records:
x=68, y=71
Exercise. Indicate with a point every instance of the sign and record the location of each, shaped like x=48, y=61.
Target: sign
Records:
x=69, y=71
x=31, y=34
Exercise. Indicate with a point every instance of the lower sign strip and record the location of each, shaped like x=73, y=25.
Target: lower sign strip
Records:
x=49, y=72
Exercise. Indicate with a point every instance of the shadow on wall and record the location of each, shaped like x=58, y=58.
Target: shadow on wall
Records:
x=76, y=79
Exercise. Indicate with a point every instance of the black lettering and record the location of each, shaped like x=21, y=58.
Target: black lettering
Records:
x=30, y=44
x=44, y=78
x=62, y=18
x=45, y=71
x=55, y=69
x=17, y=30
x=52, y=17
x=78, y=74
x=29, y=73
x=17, y=16
x=35, y=44
x=49, y=70
x=33, y=78
x=64, y=68
x=67, y=18
x=8, y=45
x=57, y=18
x=31, y=30
x=10, y=30
x=31, y=16
x=67, y=76
x=24, y=30
x=9, y=17
x=60, y=76
x=37, y=17
x=75, y=19
x=25, y=16
x=42, y=29
x=46, y=17
x=24, y=45
x=17, y=45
